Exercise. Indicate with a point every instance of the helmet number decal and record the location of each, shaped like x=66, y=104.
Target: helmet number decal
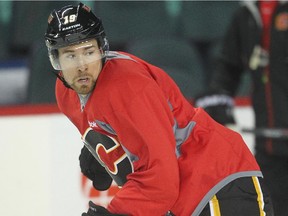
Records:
x=69, y=19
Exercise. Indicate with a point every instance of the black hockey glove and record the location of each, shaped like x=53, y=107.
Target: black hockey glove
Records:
x=218, y=105
x=93, y=170
x=96, y=210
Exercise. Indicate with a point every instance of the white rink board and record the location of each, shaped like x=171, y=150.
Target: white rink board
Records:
x=39, y=166
x=244, y=117
x=40, y=172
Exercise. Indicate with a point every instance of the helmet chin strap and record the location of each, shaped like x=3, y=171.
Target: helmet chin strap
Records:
x=59, y=76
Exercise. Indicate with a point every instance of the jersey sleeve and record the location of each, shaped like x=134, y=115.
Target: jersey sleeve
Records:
x=144, y=125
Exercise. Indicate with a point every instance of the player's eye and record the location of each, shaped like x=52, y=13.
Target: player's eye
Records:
x=90, y=52
x=70, y=56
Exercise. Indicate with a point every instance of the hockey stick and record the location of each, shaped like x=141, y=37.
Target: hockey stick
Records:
x=280, y=133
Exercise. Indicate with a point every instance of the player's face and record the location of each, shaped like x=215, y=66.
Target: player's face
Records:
x=81, y=65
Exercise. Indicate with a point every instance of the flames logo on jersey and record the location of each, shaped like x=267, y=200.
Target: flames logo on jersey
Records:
x=110, y=154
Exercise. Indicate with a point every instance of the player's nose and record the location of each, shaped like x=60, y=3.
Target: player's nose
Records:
x=81, y=64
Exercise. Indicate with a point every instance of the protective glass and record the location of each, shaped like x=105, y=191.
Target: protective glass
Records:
x=75, y=56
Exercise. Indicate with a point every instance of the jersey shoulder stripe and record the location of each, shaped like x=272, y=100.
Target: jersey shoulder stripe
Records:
x=116, y=55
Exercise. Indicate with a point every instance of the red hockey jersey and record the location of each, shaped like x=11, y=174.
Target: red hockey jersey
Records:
x=179, y=156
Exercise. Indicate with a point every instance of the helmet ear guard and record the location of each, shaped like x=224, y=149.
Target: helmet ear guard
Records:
x=53, y=57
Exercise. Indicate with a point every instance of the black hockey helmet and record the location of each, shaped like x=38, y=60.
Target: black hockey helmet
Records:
x=71, y=25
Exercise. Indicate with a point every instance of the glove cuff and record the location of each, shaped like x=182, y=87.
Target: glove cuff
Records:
x=214, y=100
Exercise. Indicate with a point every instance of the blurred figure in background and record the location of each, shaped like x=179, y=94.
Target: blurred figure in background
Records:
x=257, y=41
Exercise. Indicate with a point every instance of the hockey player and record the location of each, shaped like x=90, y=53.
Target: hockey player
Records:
x=167, y=157
x=256, y=42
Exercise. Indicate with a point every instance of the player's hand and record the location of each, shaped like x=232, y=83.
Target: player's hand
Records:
x=218, y=105
x=96, y=210
x=93, y=170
